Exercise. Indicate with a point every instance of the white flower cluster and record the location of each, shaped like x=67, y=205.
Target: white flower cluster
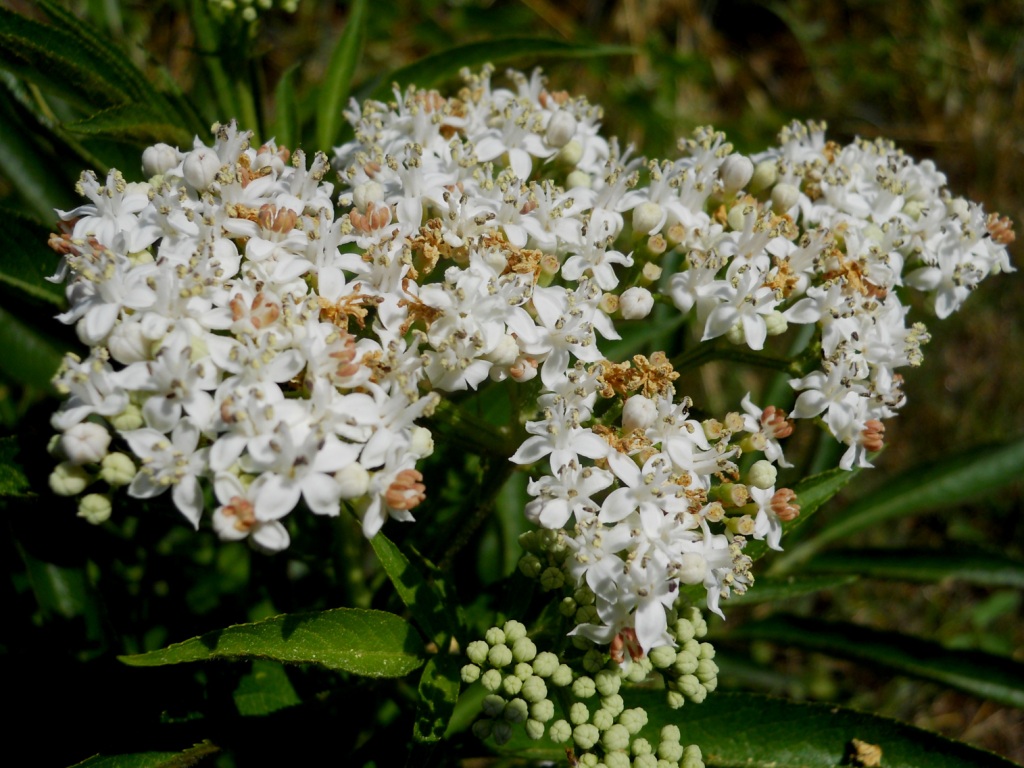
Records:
x=250, y=335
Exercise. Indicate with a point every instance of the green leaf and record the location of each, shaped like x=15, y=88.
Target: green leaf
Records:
x=138, y=122
x=753, y=731
x=435, y=69
x=51, y=59
x=184, y=759
x=363, y=642
x=338, y=82
x=29, y=356
x=427, y=608
x=12, y=477
x=286, y=118
x=990, y=568
x=811, y=495
x=438, y=692
x=28, y=261
x=992, y=677
x=769, y=590
x=942, y=484
x=265, y=689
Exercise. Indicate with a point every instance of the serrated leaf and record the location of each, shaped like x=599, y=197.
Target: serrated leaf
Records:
x=435, y=69
x=46, y=56
x=138, y=122
x=438, y=692
x=745, y=730
x=28, y=261
x=12, y=477
x=363, y=642
x=989, y=568
x=426, y=607
x=338, y=81
x=265, y=689
x=183, y=759
x=992, y=677
x=29, y=356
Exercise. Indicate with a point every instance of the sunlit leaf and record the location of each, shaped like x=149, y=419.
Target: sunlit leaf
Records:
x=363, y=642
x=338, y=81
x=265, y=689
x=992, y=677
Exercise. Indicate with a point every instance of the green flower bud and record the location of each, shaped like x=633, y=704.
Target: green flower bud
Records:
x=584, y=595
x=634, y=719
x=616, y=760
x=534, y=729
x=699, y=695
x=683, y=630
x=560, y=731
x=583, y=688
x=686, y=663
x=663, y=656
x=552, y=578
x=514, y=630
x=587, y=614
x=493, y=705
x=562, y=676
x=646, y=760
x=528, y=541
x=545, y=664
x=670, y=733
x=692, y=757
x=470, y=674
x=607, y=682
x=501, y=731
x=499, y=656
x=523, y=649
x=117, y=469
x=542, y=710
x=523, y=671
x=516, y=711
x=706, y=670
x=603, y=719
x=586, y=735
x=775, y=323
x=594, y=661
x=641, y=747
x=494, y=636
x=691, y=647
x=670, y=750
x=616, y=737
x=482, y=729
x=613, y=704
x=710, y=685
x=762, y=474
x=95, y=507
x=128, y=419
x=511, y=685
x=589, y=760
x=688, y=685
x=567, y=607
x=765, y=174
x=477, y=651
x=674, y=699
x=534, y=689
x=578, y=713
x=639, y=670
x=491, y=680
x=67, y=479
x=707, y=651
x=530, y=566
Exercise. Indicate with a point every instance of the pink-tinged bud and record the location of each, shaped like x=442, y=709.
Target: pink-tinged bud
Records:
x=873, y=436
x=774, y=423
x=782, y=504
x=407, y=490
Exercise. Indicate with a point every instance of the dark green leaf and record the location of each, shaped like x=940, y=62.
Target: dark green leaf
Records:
x=184, y=759
x=426, y=607
x=137, y=122
x=29, y=356
x=265, y=689
x=338, y=82
x=438, y=692
x=286, y=118
x=363, y=642
x=769, y=590
x=990, y=568
x=435, y=69
x=12, y=477
x=754, y=731
x=28, y=260
x=992, y=677
x=59, y=591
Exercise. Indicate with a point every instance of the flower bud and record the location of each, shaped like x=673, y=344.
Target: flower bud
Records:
x=560, y=731
x=585, y=735
x=578, y=713
x=505, y=351
x=545, y=664
x=607, y=682
x=366, y=193
x=561, y=129
x=534, y=729
x=646, y=217
x=117, y=469
x=85, y=443
x=523, y=649
x=552, y=578
x=159, y=159
x=663, y=656
x=499, y=656
x=692, y=568
x=670, y=750
x=775, y=323
x=639, y=412
x=636, y=303
x=784, y=197
x=542, y=710
x=491, y=680
x=201, y=167
x=762, y=475
x=569, y=155
x=765, y=174
x=128, y=419
x=493, y=705
x=68, y=479
x=736, y=171
x=603, y=719
x=511, y=685
x=95, y=508
x=616, y=737
x=534, y=689
x=421, y=442
x=470, y=673
x=353, y=481
x=583, y=688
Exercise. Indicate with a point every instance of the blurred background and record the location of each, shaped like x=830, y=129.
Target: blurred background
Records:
x=942, y=78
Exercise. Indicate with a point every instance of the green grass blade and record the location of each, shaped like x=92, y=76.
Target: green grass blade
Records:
x=997, y=678
x=975, y=566
x=338, y=83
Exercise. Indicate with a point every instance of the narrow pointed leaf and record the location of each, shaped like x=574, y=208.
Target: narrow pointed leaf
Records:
x=139, y=122
x=438, y=692
x=187, y=757
x=992, y=677
x=28, y=261
x=423, y=602
x=30, y=357
x=435, y=69
x=338, y=82
x=286, y=118
x=33, y=175
x=772, y=589
x=363, y=642
x=989, y=568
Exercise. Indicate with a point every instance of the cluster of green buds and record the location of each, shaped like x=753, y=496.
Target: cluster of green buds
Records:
x=690, y=671
x=250, y=9
x=597, y=729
